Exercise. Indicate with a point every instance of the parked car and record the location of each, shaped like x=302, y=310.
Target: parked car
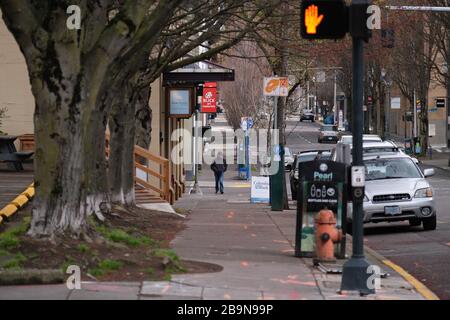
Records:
x=397, y=190
x=348, y=139
x=343, y=151
x=307, y=116
x=304, y=156
x=288, y=159
x=328, y=133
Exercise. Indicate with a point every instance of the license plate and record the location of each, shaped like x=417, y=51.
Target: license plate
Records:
x=392, y=211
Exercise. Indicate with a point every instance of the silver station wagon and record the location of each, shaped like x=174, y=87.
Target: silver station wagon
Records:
x=397, y=190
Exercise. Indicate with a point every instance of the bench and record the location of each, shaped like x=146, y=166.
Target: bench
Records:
x=9, y=154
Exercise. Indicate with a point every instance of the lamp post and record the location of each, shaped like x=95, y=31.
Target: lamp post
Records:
x=387, y=81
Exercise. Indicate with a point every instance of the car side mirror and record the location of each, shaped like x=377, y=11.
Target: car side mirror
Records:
x=429, y=173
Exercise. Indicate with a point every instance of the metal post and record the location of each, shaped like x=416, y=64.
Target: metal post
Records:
x=196, y=188
x=307, y=95
x=276, y=190
x=336, y=109
x=448, y=98
x=415, y=115
x=355, y=271
x=387, y=106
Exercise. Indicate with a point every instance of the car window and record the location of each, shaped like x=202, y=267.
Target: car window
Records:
x=287, y=152
x=372, y=140
x=306, y=158
x=328, y=128
x=324, y=156
x=381, y=169
x=380, y=150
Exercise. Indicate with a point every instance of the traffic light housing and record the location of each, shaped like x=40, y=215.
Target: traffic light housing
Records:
x=324, y=19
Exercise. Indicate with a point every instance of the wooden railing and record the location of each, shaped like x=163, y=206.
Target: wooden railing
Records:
x=162, y=185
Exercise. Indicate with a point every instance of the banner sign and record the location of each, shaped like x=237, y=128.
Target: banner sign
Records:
x=209, y=99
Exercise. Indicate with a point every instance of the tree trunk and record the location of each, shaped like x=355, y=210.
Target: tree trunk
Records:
x=121, y=161
x=70, y=171
x=143, y=118
x=130, y=125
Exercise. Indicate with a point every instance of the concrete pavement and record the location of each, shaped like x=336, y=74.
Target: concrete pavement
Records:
x=253, y=245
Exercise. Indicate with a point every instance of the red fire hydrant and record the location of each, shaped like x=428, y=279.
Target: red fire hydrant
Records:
x=326, y=236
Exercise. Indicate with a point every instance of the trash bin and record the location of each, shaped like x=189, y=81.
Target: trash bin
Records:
x=409, y=146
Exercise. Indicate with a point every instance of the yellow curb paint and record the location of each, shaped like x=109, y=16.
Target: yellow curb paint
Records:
x=9, y=210
x=419, y=286
x=19, y=202
x=29, y=192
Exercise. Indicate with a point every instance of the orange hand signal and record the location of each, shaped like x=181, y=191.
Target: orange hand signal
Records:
x=312, y=19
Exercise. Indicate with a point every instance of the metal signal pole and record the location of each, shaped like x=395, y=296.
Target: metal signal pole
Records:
x=355, y=271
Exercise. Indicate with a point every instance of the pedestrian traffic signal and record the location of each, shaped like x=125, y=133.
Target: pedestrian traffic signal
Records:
x=324, y=19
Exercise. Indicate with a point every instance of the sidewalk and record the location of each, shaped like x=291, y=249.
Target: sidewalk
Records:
x=253, y=245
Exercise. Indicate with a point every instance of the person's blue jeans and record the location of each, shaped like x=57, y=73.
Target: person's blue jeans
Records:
x=219, y=182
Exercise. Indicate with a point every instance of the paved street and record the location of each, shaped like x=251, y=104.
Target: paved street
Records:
x=424, y=254
x=13, y=183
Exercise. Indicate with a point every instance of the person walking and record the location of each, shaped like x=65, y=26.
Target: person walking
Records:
x=219, y=167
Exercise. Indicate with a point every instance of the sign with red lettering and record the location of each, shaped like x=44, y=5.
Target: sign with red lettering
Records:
x=209, y=100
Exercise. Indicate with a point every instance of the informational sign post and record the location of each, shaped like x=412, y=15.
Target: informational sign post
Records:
x=276, y=87
x=260, y=190
x=322, y=185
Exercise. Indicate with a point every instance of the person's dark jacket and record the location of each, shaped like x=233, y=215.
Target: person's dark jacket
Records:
x=219, y=167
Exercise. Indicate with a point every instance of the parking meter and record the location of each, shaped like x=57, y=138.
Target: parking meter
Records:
x=322, y=185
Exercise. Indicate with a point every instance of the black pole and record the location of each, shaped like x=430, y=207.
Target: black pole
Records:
x=355, y=271
x=358, y=121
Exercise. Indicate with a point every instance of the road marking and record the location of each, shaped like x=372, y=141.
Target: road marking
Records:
x=420, y=287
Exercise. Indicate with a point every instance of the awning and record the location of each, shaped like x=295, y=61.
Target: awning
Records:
x=205, y=71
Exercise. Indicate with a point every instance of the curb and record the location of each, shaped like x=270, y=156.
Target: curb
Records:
x=419, y=286
x=18, y=203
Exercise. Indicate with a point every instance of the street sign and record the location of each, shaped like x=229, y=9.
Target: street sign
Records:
x=250, y=123
x=209, y=98
x=396, y=103
x=276, y=87
x=324, y=19
x=440, y=103
x=322, y=185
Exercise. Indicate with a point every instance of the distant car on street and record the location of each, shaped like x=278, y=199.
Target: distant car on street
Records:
x=328, y=133
x=397, y=190
x=307, y=116
x=304, y=156
x=288, y=159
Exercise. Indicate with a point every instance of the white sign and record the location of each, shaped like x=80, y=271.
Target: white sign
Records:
x=320, y=77
x=358, y=177
x=431, y=130
x=276, y=87
x=341, y=119
x=260, y=190
x=396, y=103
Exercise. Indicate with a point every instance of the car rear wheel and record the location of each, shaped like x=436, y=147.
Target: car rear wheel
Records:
x=429, y=223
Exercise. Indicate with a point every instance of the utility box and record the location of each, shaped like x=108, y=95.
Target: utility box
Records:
x=322, y=185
